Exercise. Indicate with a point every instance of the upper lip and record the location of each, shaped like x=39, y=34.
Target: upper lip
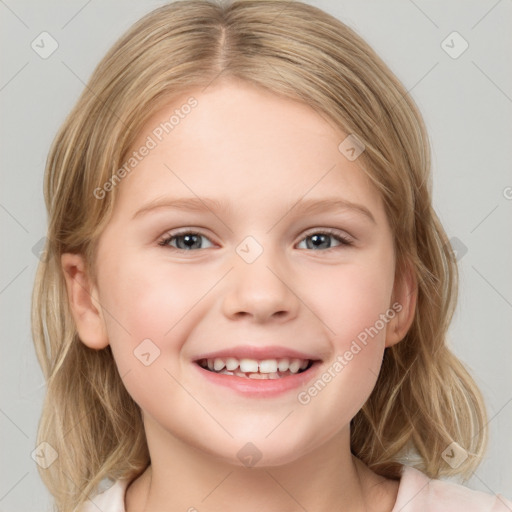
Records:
x=258, y=353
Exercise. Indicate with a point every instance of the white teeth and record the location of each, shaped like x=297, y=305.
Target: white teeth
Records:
x=248, y=365
x=218, y=364
x=268, y=366
x=252, y=368
x=231, y=363
x=283, y=364
x=295, y=365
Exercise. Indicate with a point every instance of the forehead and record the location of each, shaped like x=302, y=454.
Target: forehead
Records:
x=239, y=141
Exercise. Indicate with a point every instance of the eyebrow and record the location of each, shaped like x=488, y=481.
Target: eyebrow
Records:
x=197, y=204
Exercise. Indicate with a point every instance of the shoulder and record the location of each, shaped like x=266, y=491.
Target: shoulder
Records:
x=110, y=500
x=419, y=493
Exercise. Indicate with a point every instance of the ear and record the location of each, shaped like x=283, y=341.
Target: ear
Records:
x=403, y=302
x=84, y=303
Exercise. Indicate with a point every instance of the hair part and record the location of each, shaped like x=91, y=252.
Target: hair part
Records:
x=424, y=398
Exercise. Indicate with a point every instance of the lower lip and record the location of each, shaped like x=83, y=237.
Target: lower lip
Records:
x=260, y=387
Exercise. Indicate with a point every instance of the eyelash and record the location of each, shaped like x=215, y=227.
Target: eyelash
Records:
x=344, y=240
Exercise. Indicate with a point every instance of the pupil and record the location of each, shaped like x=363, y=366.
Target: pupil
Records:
x=189, y=240
x=316, y=238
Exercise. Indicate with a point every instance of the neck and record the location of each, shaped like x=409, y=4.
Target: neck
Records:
x=182, y=477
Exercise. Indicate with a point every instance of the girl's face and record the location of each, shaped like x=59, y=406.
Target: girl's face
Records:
x=253, y=262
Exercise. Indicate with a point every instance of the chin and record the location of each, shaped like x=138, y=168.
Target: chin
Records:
x=259, y=453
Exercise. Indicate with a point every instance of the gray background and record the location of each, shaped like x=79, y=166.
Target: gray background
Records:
x=467, y=106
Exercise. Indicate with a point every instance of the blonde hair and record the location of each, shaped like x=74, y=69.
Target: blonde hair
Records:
x=424, y=398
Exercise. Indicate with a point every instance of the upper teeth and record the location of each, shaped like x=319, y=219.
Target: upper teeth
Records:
x=253, y=365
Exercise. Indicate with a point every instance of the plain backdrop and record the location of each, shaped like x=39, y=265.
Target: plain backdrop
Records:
x=464, y=96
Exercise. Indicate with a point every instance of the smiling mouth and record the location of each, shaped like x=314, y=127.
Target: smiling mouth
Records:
x=256, y=369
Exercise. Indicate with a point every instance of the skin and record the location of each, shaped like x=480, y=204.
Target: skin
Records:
x=261, y=153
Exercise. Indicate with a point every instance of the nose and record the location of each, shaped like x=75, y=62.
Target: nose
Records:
x=262, y=290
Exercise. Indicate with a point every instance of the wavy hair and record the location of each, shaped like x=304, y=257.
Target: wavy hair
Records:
x=424, y=398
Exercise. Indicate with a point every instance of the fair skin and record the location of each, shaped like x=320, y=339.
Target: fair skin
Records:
x=261, y=154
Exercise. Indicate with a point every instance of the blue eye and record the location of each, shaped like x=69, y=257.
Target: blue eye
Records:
x=319, y=238
x=188, y=240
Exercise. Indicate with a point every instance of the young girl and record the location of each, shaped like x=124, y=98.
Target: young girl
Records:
x=246, y=291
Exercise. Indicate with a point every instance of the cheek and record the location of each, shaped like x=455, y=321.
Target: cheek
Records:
x=355, y=308
x=142, y=301
x=151, y=309
x=353, y=304
x=353, y=299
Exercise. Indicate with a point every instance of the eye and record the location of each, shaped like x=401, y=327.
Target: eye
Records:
x=320, y=239
x=185, y=240
x=188, y=240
